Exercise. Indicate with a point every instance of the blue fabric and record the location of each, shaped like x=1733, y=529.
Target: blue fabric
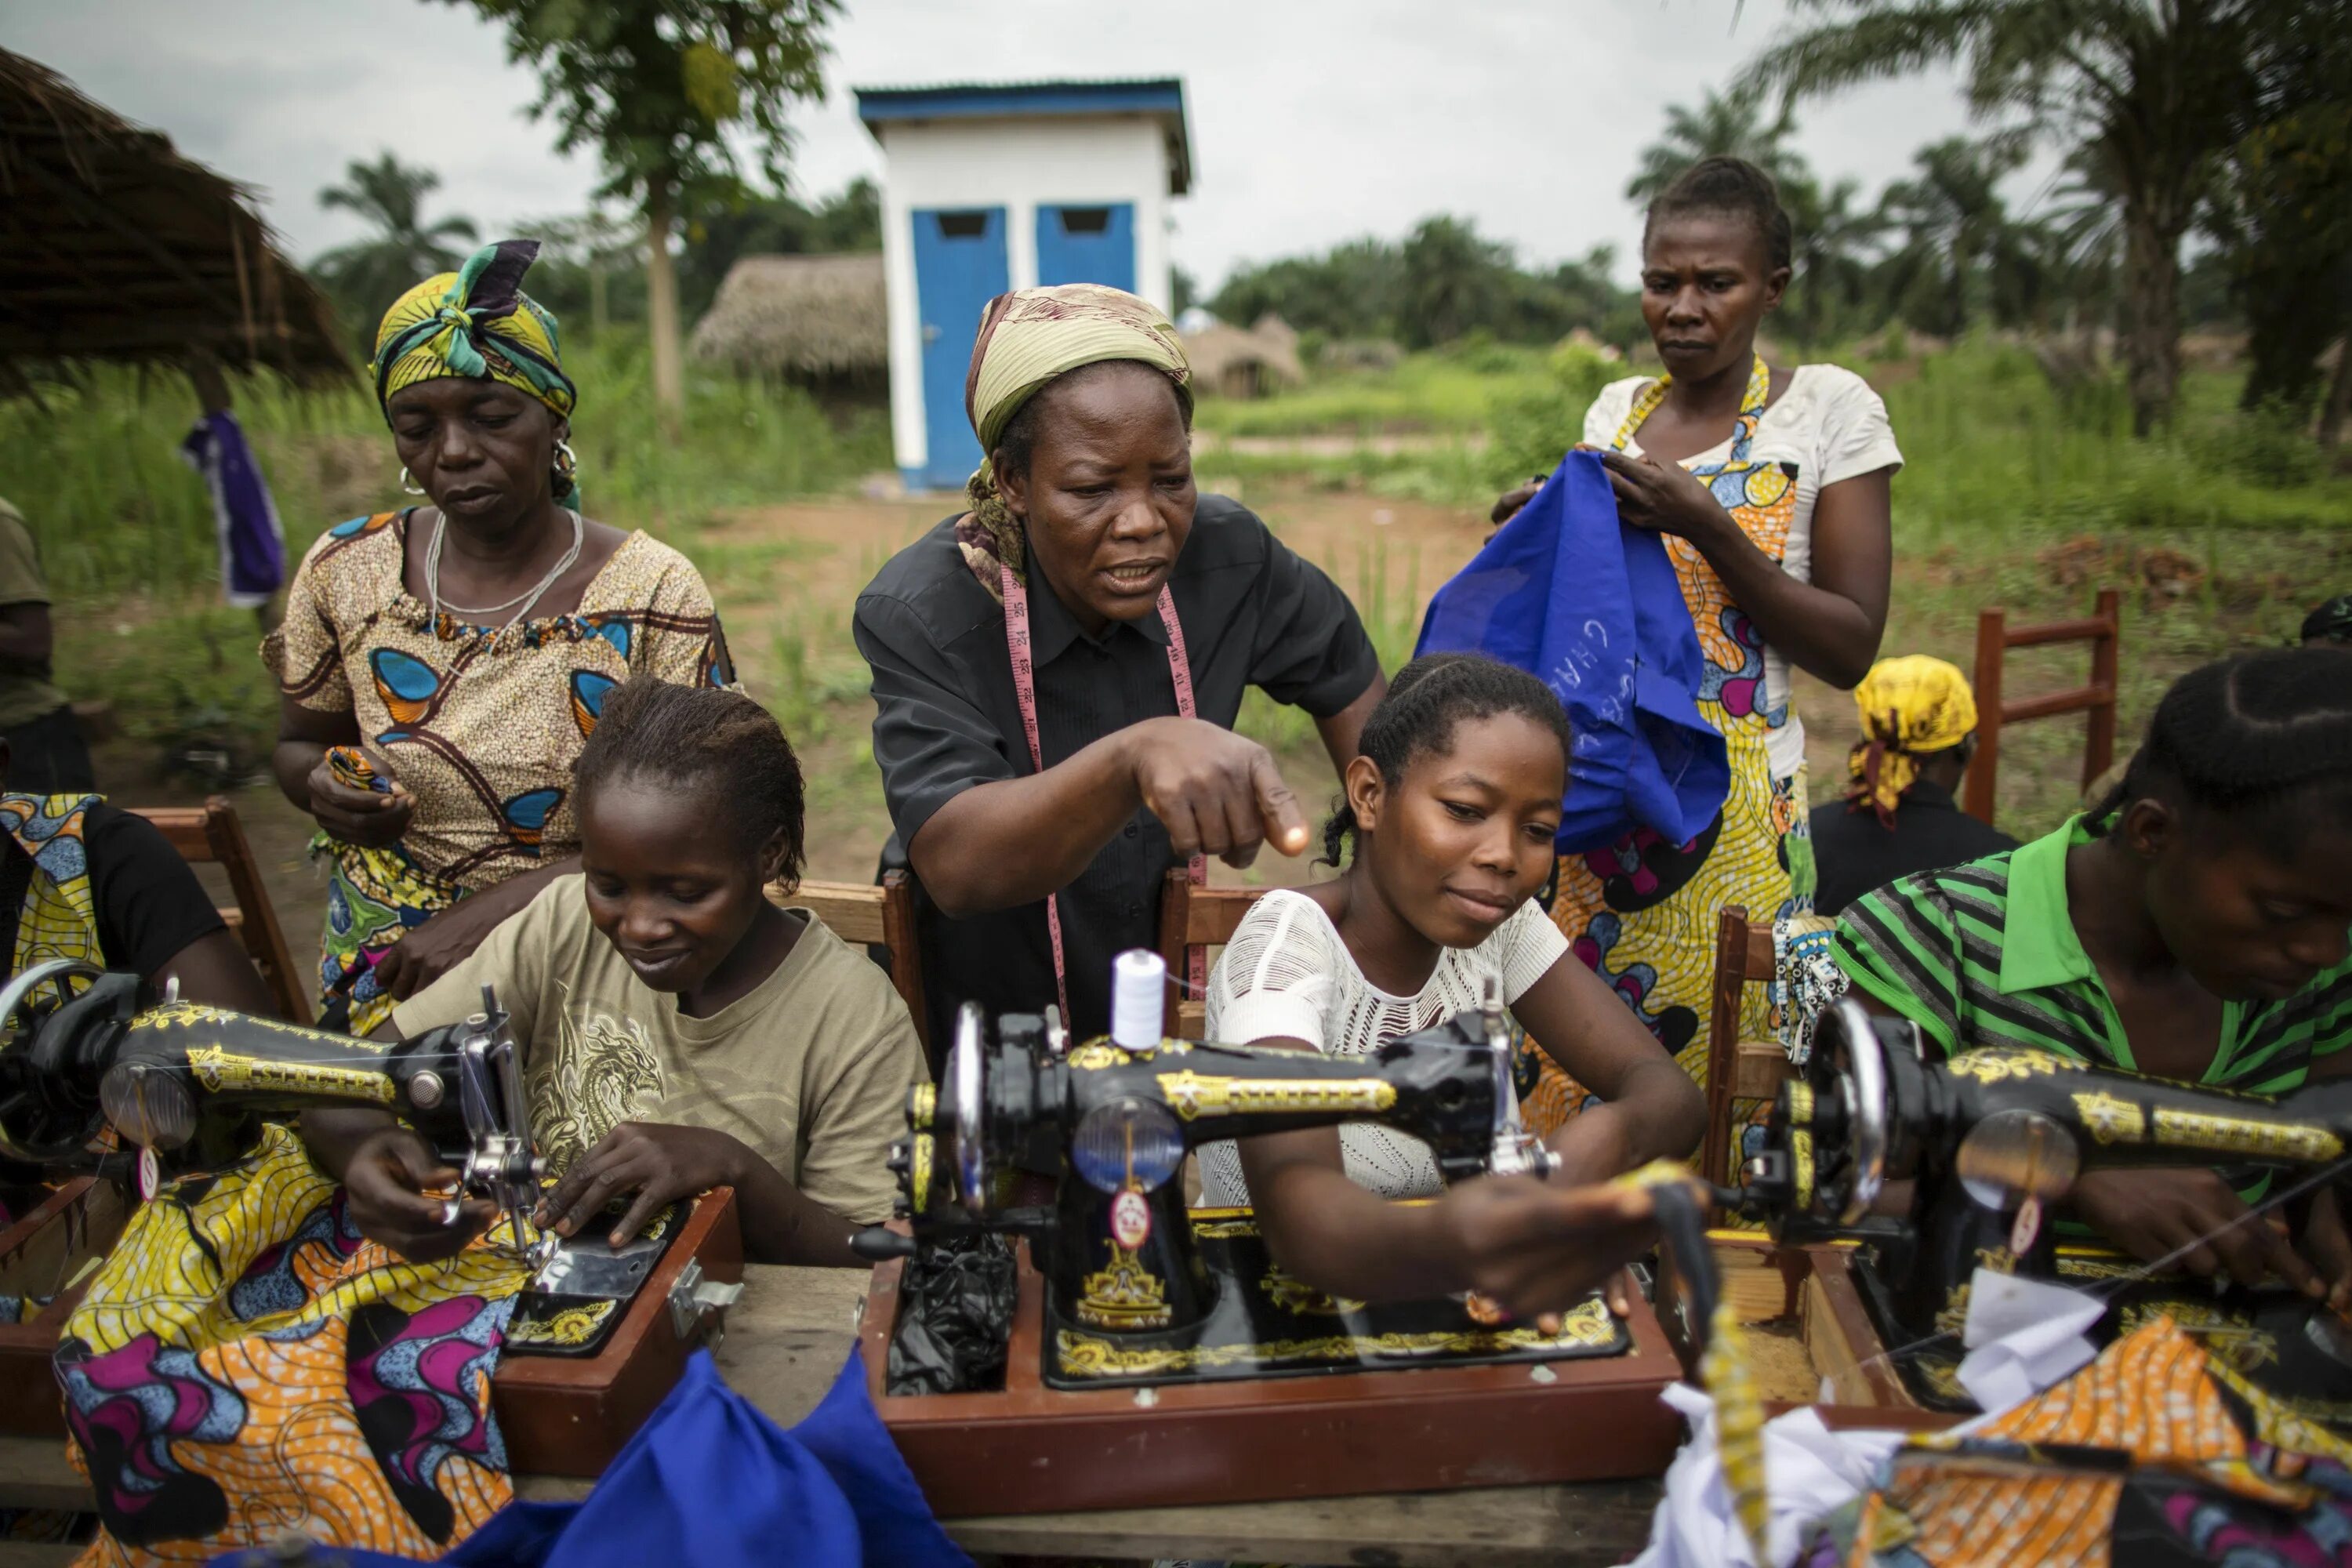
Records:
x=245, y=519
x=1591, y=605
x=711, y=1481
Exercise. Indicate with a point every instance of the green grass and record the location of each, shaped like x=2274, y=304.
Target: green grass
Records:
x=126, y=531
x=1456, y=390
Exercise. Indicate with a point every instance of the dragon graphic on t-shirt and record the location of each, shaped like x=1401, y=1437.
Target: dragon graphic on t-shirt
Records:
x=603, y=1073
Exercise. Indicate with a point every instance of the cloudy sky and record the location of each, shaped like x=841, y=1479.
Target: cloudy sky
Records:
x=1312, y=120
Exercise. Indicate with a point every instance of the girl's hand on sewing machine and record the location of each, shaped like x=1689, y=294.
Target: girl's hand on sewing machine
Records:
x=1537, y=1246
x=2192, y=1218
x=659, y=1162
x=393, y=1190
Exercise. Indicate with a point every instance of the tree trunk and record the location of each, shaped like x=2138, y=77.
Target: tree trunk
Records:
x=661, y=303
x=2339, y=397
x=2151, y=316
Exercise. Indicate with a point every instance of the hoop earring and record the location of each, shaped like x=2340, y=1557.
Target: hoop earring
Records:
x=567, y=461
x=409, y=485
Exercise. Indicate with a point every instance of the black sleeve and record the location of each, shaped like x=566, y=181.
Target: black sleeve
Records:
x=150, y=904
x=930, y=741
x=1310, y=651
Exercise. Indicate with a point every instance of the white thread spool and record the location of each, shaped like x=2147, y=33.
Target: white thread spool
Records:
x=1139, y=998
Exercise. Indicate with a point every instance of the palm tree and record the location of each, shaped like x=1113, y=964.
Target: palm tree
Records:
x=1962, y=257
x=2146, y=88
x=1835, y=238
x=1723, y=125
x=368, y=274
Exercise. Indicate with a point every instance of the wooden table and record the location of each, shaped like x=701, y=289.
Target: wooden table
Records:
x=787, y=1337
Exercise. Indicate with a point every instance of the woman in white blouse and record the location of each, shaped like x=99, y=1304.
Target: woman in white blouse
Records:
x=1454, y=803
x=1772, y=487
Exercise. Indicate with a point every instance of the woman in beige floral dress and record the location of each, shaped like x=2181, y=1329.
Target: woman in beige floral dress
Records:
x=440, y=668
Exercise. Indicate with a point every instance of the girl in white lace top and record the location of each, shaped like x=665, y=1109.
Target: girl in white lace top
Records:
x=1454, y=805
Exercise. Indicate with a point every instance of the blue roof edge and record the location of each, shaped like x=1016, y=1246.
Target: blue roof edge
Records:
x=980, y=101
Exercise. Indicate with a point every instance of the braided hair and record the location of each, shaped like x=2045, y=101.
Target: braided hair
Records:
x=2263, y=739
x=1734, y=186
x=720, y=745
x=1426, y=701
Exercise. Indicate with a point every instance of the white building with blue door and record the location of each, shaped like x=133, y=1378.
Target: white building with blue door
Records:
x=986, y=188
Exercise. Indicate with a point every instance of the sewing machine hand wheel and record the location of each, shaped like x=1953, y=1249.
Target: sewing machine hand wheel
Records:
x=43, y=1121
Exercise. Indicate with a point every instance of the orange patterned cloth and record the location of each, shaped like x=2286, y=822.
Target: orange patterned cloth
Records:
x=245, y=1364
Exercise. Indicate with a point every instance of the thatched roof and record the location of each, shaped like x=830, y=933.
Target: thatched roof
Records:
x=1238, y=364
x=114, y=247
x=814, y=315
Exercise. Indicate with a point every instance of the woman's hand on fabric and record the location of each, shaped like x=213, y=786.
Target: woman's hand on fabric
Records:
x=2192, y=1218
x=396, y=1190
x=1664, y=498
x=446, y=940
x=1217, y=793
x=1537, y=1247
x=370, y=819
x=2324, y=1243
x=658, y=1161
x=1512, y=501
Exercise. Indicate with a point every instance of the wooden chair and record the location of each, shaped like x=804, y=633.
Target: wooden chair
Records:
x=1736, y=1069
x=864, y=914
x=2103, y=630
x=212, y=833
x=1192, y=917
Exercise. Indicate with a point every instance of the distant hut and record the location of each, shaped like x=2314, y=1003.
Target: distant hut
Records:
x=114, y=247
x=820, y=320
x=1232, y=362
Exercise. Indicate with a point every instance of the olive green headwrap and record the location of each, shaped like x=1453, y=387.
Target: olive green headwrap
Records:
x=477, y=323
x=1026, y=339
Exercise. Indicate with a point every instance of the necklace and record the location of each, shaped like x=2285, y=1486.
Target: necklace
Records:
x=529, y=598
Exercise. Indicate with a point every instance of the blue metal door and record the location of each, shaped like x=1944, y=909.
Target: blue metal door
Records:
x=958, y=268
x=1092, y=244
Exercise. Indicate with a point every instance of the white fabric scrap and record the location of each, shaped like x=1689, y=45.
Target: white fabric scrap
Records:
x=1810, y=1470
x=2023, y=1336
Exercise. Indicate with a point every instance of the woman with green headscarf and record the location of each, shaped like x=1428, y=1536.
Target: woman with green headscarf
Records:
x=1057, y=669
x=441, y=666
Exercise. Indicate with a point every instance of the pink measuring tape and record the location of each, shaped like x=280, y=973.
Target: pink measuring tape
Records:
x=1025, y=687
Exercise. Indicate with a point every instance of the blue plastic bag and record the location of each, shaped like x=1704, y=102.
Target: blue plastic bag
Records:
x=711, y=1481
x=1570, y=594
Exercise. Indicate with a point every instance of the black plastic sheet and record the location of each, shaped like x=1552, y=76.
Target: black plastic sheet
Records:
x=955, y=1316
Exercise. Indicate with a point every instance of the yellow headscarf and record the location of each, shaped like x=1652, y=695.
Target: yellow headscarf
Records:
x=1910, y=707
x=1026, y=339
x=476, y=322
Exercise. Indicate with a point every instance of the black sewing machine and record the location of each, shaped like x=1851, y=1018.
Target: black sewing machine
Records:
x=1140, y=1289
x=190, y=1087
x=1941, y=1167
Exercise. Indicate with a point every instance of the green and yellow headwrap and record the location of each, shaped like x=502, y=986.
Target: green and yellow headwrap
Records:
x=1026, y=339
x=475, y=323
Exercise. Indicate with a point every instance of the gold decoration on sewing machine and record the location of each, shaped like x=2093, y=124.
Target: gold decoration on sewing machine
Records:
x=2111, y=1118
x=922, y=1105
x=1296, y=1296
x=1800, y=1103
x=170, y=1015
x=1127, y=1295
x=1099, y=1054
x=2226, y=1332
x=1191, y=1094
x=567, y=1328
x=1994, y=1065
x=219, y=1071
x=1801, y=1167
x=1587, y=1325
x=2244, y=1135
x=918, y=1174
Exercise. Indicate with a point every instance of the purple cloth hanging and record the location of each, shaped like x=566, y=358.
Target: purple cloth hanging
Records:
x=245, y=519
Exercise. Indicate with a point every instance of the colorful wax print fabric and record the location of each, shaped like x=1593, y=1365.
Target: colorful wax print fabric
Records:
x=2155, y=1455
x=1642, y=911
x=59, y=917
x=479, y=724
x=245, y=1364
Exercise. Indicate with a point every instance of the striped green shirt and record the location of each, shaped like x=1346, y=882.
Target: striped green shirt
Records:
x=1986, y=955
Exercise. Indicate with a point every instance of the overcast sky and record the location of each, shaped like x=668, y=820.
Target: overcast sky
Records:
x=1312, y=120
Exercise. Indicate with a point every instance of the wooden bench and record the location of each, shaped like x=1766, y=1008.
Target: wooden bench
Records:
x=211, y=833
x=865, y=915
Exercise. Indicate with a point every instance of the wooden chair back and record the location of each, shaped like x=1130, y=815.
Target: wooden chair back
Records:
x=211, y=833
x=2103, y=630
x=1191, y=917
x=867, y=915
x=1736, y=1068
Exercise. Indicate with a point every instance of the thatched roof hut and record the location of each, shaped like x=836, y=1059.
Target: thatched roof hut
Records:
x=814, y=317
x=114, y=247
x=1232, y=362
